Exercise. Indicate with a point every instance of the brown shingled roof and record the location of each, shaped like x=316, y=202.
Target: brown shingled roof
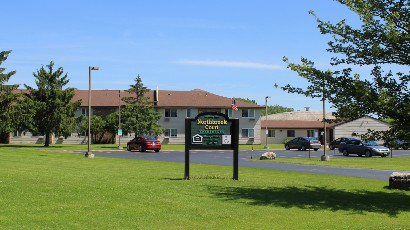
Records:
x=166, y=98
x=294, y=124
x=198, y=99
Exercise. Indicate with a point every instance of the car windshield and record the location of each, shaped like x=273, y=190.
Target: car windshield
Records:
x=311, y=139
x=150, y=138
x=370, y=143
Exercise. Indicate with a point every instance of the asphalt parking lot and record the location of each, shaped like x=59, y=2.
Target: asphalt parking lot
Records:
x=225, y=158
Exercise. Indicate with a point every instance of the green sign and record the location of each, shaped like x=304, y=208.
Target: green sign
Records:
x=120, y=132
x=211, y=130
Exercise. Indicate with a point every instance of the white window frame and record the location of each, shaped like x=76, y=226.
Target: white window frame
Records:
x=228, y=112
x=84, y=111
x=171, y=132
x=247, y=134
x=250, y=113
x=170, y=112
x=270, y=132
x=188, y=112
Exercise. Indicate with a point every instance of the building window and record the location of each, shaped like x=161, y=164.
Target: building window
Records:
x=310, y=133
x=188, y=112
x=291, y=133
x=84, y=112
x=171, y=133
x=228, y=112
x=248, y=113
x=271, y=133
x=170, y=113
x=248, y=133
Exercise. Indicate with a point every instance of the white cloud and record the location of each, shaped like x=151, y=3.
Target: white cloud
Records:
x=230, y=64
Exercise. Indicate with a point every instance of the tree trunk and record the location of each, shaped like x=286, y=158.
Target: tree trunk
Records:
x=5, y=138
x=47, y=140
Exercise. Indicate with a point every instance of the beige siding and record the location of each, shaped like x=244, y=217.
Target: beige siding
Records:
x=281, y=135
x=359, y=126
x=179, y=124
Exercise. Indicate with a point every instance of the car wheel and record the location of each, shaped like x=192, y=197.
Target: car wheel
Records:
x=405, y=147
x=156, y=150
x=303, y=148
x=368, y=153
x=128, y=148
x=287, y=147
x=345, y=153
x=331, y=147
x=140, y=148
x=315, y=149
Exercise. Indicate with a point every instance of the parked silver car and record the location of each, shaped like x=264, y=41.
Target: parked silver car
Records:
x=366, y=148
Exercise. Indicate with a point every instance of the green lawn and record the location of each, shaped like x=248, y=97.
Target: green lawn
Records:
x=123, y=145
x=385, y=163
x=46, y=189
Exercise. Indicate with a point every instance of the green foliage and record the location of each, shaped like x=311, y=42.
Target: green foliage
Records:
x=97, y=129
x=9, y=108
x=382, y=40
x=246, y=100
x=273, y=109
x=53, y=111
x=139, y=113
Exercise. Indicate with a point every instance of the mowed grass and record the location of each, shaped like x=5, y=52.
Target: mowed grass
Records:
x=52, y=190
x=178, y=147
x=383, y=163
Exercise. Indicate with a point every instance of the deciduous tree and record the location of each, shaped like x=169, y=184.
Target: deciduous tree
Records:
x=383, y=41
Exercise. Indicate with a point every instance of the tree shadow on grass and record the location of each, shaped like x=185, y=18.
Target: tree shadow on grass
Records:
x=31, y=146
x=319, y=198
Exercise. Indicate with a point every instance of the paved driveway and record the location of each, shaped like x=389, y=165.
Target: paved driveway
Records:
x=226, y=158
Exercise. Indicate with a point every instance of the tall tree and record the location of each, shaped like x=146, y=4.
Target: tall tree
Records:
x=53, y=109
x=139, y=113
x=273, y=109
x=8, y=101
x=382, y=41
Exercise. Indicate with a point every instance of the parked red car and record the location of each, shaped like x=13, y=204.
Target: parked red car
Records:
x=144, y=143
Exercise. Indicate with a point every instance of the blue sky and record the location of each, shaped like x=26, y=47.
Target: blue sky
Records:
x=232, y=48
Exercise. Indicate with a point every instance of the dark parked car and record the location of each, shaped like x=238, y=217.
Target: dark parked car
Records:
x=367, y=148
x=144, y=143
x=396, y=144
x=335, y=143
x=303, y=143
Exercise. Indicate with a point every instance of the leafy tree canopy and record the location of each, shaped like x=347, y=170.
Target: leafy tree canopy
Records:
x=382, y=40
x=273, y=109
x=246, y=100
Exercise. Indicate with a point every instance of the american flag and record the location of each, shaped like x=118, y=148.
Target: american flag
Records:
x=234, y=106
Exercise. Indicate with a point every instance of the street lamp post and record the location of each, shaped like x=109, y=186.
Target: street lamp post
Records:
x=88, y=153
x=266, y=122
x=324, y=157
x=119, y=119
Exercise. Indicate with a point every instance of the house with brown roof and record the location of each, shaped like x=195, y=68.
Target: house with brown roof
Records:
x=174, y=107
x=277, y=128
